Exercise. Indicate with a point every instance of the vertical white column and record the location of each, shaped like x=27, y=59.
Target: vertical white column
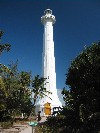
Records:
x=48, y=63
x=48, y=60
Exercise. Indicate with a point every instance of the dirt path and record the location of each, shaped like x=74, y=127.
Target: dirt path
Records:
x=27, y=130
x=21, y=128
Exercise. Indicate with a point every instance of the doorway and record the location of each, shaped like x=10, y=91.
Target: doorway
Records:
x=47, y=108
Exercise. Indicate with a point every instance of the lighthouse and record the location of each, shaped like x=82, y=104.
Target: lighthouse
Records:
x=48, y=103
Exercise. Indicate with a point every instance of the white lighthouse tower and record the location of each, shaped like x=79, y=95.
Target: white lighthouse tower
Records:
x=47, y=104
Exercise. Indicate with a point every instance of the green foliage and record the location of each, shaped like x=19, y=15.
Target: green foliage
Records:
x=38, y=88
x=83, y=77
x=15, y=92
x=7, y=124
x=43, y=129
x=67, y=98
x=25, y=79
x=81, y=113
x=2, y=94
x=52, y=125
x=83, y=99
x=16, y=89
x=3, y=47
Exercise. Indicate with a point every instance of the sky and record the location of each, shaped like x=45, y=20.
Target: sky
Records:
x=77, y=25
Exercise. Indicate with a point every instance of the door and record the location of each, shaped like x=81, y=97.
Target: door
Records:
x=47, y=109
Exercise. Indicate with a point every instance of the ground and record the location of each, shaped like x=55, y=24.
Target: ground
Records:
x=20, y=127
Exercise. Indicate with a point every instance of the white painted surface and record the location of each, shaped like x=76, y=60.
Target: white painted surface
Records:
x=48, y=62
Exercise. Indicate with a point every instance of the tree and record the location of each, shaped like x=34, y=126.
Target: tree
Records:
x=3, y=70
x=2, y=95
x=83, y=79
x=19, y=87
x=15, y=88
x=3, y=47
x=25, y=92
x=81, y=113
x=16, y=92
x=38, y=88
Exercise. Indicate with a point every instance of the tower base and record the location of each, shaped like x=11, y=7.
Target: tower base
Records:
x=47, y=107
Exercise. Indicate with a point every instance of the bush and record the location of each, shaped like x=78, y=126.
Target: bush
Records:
x=54, y=124
x=7, y=124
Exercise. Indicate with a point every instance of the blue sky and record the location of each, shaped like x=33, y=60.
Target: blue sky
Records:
x=77, y=24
